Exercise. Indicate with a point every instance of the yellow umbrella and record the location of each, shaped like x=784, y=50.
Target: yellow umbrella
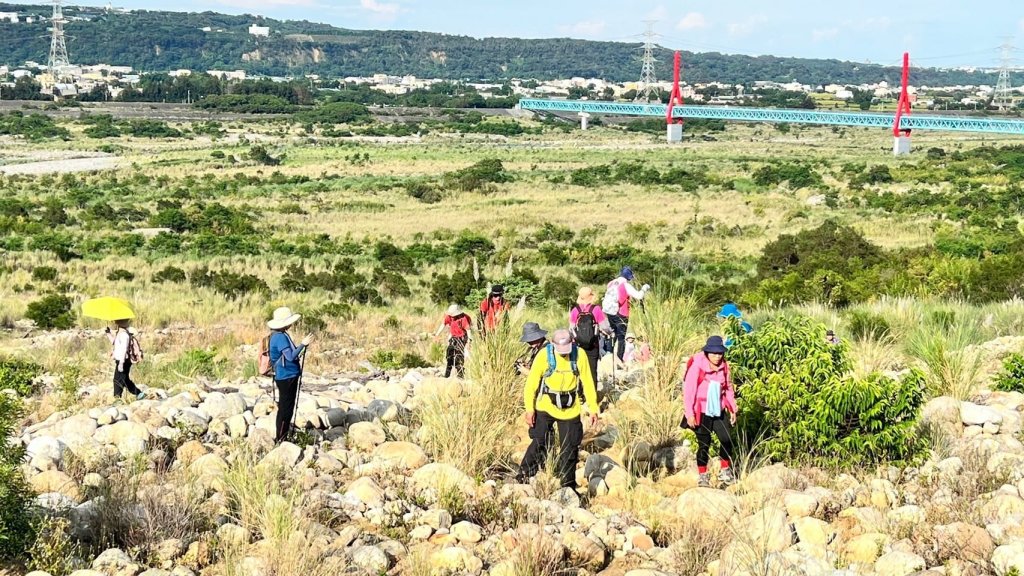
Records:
x=108, y=309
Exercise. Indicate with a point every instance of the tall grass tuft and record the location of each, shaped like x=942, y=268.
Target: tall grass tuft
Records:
x=951, y=368
x=478, y=431
x=673, y=327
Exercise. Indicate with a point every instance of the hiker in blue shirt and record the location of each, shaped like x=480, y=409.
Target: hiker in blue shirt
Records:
x=731, y=310
x=286, y=358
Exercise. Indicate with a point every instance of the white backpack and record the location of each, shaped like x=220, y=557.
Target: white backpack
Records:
x=610, y=302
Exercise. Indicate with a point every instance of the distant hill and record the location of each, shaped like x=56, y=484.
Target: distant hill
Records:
x=160, y=41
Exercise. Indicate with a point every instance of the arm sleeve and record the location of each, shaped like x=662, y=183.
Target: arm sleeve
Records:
x=730, y=393
x=690, y=390
x=589, y=390
x=574, y=315
x=291, y=351
x=633, y=292
x=533, y=382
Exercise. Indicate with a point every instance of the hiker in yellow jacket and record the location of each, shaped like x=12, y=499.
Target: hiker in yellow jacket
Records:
x=553, y=396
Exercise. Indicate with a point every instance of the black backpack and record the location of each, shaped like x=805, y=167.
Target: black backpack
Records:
x=586, y=328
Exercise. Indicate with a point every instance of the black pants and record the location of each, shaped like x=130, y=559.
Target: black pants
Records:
x=620, y=325
x=593, y=355
x=456, y=357
x=720, y=427
x=287, y=392
x=570, y=436
x=123, y=380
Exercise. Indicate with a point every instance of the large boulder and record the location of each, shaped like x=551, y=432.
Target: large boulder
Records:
x=864, y=549
x=47, y=449
x=769, y=529
x=56, y=481
x=963, y=541
x=283, y=457
x=1003, y=507
x=218, y=406
x=899, y=563
x=442, y=477
x=371, y=559
x=366, y=435
x=400, y=455
x=455, y=560
x=585, y=551
x=129, y=437
x=1008, y=558
x=367, y=491
x=976, y=415
x=707, y=507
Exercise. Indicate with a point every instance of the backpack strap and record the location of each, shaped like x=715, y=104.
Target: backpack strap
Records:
x=573, y=357
x=551, y=361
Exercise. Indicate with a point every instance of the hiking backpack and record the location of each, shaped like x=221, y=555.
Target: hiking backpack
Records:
x=563, y=398
x=573, y=357
x=134, y=353
x=611, y=302
x=585, y=329
x=263, y=363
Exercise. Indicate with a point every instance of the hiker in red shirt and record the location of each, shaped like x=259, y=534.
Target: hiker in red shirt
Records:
x=493, y=309
x=459, y=325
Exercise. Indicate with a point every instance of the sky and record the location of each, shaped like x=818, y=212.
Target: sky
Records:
x=935, y=32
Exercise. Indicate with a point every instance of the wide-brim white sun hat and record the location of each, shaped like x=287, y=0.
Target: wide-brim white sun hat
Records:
x=283, y=318
x=454, y=310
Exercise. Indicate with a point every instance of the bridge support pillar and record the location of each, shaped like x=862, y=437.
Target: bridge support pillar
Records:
x=674, y=133
x=584, y=120
x=900, y=145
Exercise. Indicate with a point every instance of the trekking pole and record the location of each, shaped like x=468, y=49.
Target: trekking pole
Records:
x=298, y=388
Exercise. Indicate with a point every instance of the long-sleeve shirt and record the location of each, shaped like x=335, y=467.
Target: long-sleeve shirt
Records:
x=561, y=380
x=120, y=345
x=695, y=386
x=285, y=356
x=626, y=291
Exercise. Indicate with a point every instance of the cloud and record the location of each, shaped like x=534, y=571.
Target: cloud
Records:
x=820, y=34
x=382, y=9
x=747, y=26
x=660, y=12
x=692, y=21
x=586, y=28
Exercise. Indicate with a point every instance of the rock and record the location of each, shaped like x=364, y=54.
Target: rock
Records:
x=584, y=551
x=442, y=388
x=813, y=531
x=799, y=505
x=47, y=448
x=209, y=471
x=155, y=572
x=167, y=551
x=114, y=560
x=711, y=508
x=1002, y=507
x=441, y=477
x=1008, y=557
x=283, y=457
x=964, y=541
x=420, y=533
x=566, y=498
x=56, y=481
x=437, y=518
x=232, y=535
x=366, y=435
x=898, y=563
x=87, y=573
x=467, y=532
x=975, y=415
x=384, y=410
x=237, y=426
x=129, y=437
x=865, y=549
x=371, y=559
x=218, y=406
x=401, y=455
x=907, y=515
x=645, y=572
x=189, y=452
x=38, y=573
x=673, y=458
x=941, y=410
x=366, y=491
x=768, y=529
x=455, y=559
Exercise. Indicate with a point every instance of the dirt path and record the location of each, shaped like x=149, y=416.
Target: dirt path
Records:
x=62, y=166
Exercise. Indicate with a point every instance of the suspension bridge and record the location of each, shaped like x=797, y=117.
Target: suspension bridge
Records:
x=675, y=112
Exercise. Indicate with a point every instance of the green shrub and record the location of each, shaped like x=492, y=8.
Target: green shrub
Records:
x=170, y=274
x=260, y=155
x=1011, y=378
x=145, y=128
x=561, y=291
x=798, y=175
x=44, y=274
x=391, y=360
x=51, y=311
x=197, y=362
x=120, y=274
x=424, y=192
x=864, y=325
x=229, y=284
x=453, y=289
x=17, y=375
x=478, y=176
x=796, y=393
x=16, y=529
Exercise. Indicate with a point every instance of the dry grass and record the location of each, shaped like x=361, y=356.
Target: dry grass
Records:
x=951, y=368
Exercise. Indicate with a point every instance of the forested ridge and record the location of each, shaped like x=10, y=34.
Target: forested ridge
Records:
x=159, y=41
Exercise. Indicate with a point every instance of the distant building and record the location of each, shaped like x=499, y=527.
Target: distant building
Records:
x=20, y=73
x=11, y=17
x=179, y=72
x=263, y=31
x=227, y=75
x=843, y=94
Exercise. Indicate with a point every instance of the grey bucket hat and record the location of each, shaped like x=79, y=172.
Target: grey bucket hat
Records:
x=532, y=332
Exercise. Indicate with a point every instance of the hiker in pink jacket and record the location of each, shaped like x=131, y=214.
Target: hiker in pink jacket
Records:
x=707, y=396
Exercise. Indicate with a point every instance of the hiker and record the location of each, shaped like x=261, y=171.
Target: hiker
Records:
x=459, y=325
x=616, y=305
x=535, y=339
x=552, y=396
x=831, y=338
x=125, y=351
x=731, y=310
x=493, y=309
x=636, y=353
x=707, y=395
x=286, y=359
x=588, y=322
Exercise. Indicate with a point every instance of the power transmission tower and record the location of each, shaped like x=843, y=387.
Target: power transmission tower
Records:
x=58, y=62
x=1003, y=96
x=647, y=87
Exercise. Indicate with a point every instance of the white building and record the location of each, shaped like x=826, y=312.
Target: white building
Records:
x=263, y=31
x=20, y=74
x=11, y=17
x=843, y=94
x=227, y=75
x=179, y=72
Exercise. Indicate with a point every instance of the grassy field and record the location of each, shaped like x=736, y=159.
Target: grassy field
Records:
x=331, y=200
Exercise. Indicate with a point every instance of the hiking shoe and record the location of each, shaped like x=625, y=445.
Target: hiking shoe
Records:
x=727, y=477
x=704, y=480
x=140, y=396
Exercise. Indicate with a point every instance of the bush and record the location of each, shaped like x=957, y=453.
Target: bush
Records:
x=424, y=192
x=865, y=325
x=561, y=291
x=798, y=175
x=796, y=394
x=477, y=176
x=16, y=531
x=260, y=155
x=44, y=274
x=453, y=289
x=391, y=360
x=170, y=274
x=17, y=375
x=52, y=311
x=120, y=274
x=228, y=284
x=1011, y=379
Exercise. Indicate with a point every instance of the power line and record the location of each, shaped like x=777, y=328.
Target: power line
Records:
x=647, y=87
x=1003, y=96
x=58, y=63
